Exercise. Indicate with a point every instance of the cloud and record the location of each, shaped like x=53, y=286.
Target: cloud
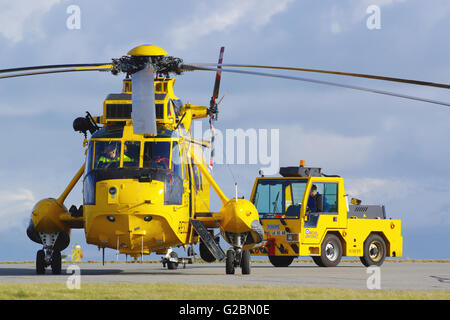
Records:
x=343, y=16
x=15, y=15
x=229, y=14
x=418, y=203
x=373, y=190
x=15, y=207
x=7, y=110
x=326, y=150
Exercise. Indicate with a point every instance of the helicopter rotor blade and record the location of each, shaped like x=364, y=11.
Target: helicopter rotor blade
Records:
x=329, y=83
x=54, y=66
x=350, y=74
x=218, y=76
x=106, y=67
x=143, y=111
x=213, y=111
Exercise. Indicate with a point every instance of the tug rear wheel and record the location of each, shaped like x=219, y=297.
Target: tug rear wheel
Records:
x=374, y=251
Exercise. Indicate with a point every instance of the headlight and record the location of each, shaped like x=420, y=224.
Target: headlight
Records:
x=112, y=191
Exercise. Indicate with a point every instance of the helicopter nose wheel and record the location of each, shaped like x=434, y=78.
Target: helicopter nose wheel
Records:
x=237, y=258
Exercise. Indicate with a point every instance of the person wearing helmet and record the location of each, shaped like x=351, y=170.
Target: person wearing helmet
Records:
x=111, y=157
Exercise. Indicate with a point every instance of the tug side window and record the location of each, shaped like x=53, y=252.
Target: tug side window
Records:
x=329, y=193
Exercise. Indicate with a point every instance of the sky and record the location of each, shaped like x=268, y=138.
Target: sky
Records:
x=389, y=150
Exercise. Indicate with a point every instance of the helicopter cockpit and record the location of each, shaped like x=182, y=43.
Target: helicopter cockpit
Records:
x=110, y=156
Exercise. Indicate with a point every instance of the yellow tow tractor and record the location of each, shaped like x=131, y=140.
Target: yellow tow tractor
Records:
x=307, y=213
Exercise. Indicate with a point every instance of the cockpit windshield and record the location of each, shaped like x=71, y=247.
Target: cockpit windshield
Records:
x=107, y=154
x=279, y=198
x=117, y=159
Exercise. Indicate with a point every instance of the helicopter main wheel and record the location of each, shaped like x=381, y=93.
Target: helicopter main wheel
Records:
x=245, y=262
x=229, y=263
x=172, y=265
x=56, y=262
x=40, y=262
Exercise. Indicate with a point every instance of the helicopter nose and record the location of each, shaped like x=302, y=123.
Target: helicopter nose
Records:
x=130, y=193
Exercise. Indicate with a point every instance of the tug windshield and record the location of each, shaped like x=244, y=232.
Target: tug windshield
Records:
x=279, y=198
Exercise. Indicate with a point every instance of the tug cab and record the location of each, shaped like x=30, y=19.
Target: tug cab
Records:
x=307, y=213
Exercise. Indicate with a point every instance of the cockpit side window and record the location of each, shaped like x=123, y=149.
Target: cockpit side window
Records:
x=90, y=155
x=176, y=159
x=157, y=154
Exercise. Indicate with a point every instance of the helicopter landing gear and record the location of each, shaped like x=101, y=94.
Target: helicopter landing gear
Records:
x=237, y=258
x=172, y=261
x=48, y=256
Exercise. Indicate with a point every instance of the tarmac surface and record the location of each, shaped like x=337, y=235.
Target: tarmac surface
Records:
x=401, y=276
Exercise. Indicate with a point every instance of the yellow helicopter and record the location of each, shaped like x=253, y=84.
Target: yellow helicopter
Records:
x=146, y=183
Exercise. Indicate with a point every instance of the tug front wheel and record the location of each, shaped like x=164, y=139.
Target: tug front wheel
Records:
x=331, y=252
x=281, y=261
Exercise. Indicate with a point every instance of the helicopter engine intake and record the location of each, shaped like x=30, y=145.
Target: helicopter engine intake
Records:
x=45, y=219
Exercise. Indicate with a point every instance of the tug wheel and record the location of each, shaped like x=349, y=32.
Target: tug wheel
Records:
x=374, y=251
x=317, y=261
x=281, y=261
x=331, y=251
